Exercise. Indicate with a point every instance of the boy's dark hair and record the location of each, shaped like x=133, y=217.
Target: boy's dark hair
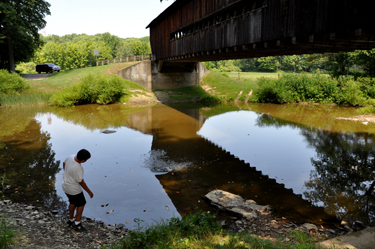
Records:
x=83, y=155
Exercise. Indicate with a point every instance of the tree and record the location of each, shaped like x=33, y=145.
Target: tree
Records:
x=293, y=63
x=140, y=48
x=366, y=59
x=124, y=50
x=341, y=62
x=20, y=21
x=246, y=65
x=267, y=64
x=112, y=41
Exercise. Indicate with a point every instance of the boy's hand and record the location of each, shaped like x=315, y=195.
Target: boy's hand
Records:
x=91, y=194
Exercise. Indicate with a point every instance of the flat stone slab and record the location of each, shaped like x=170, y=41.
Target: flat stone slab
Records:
x=364, y=239
x=235, y=203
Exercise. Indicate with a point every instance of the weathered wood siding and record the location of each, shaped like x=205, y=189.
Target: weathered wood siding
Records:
x=213, y=29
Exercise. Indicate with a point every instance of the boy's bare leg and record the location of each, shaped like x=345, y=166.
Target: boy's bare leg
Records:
x=79, y=213
x=71, y=211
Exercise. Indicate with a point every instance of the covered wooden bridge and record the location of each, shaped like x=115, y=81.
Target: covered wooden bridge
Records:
x=205, y=30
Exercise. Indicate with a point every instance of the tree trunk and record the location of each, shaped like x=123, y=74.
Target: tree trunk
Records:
x=12, y=67
x=371, y=188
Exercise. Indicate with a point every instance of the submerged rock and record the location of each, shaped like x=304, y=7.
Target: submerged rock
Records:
x=235, y=203
x=108, y=131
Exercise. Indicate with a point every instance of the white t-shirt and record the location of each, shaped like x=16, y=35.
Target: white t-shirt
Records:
x=73, y=174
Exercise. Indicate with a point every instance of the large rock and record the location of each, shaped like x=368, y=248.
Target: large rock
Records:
x=364, y=239
x=235, y=203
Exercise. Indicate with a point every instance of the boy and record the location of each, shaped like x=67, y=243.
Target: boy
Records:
x=72, y=185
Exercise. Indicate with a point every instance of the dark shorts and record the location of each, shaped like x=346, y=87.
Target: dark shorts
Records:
x=77, y=200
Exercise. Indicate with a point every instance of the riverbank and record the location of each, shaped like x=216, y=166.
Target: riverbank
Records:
x=37, y=228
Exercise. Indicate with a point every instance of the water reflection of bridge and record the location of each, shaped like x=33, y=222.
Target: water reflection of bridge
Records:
x=210, y=167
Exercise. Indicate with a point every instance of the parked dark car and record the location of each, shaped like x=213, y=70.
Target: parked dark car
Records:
x=47, y=68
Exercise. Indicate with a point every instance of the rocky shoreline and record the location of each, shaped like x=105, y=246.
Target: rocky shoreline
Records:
x=41, y=229
x=259, y=220
x=47, y=229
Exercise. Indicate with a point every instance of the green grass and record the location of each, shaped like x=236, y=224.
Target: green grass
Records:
x=24, y=99
x=251, y=77
x=200, y=230
x=65, y=78
x=7, y=232
x=226, y=89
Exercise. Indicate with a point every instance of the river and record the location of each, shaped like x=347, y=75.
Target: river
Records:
x=157, y=162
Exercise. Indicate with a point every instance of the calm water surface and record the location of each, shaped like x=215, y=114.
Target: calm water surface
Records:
x=161, y=161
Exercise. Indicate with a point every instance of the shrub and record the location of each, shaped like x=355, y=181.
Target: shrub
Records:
x=24, y=68
x=94, y=88
x=306, y=87
x=12, y=83
x=350, y=93
x=293, y=87
x=367, y=86
x=272, y=91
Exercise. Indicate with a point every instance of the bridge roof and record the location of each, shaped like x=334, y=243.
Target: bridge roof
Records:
x=172, y=8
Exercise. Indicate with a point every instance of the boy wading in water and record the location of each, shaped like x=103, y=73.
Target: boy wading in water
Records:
x=73, y=184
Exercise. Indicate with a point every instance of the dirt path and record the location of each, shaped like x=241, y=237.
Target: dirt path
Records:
x=35, y=76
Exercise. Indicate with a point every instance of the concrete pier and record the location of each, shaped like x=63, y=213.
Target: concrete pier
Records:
x=156, y=75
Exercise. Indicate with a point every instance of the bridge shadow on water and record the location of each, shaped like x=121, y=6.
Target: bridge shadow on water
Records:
x=201, y=166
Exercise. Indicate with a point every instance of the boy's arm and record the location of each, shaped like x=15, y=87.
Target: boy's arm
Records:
x=84, y=186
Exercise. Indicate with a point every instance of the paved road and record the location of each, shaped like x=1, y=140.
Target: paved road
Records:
x=36, y=76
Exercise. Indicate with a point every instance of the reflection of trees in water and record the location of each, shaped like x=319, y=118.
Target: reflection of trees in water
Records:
x=344, y=174
x=30, y=167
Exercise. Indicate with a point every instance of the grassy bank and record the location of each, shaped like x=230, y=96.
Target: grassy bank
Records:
x=65, y=78
x=215, y=88
x=39, y=92
x=200, y=230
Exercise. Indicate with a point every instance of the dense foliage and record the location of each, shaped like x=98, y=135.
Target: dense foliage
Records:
x=359, y=63
x=315, y=88
x=11, y=83
x=26, y=67
x=20, y=21
x=77, y=51
x=93, y=88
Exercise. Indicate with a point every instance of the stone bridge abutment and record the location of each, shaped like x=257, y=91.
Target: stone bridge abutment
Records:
x=154, y=75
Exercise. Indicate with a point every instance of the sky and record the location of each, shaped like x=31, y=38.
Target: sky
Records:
x=123, y=18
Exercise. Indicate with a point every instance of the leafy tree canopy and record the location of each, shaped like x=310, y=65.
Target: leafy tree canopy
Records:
x=20, y=21
x=77, y=50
